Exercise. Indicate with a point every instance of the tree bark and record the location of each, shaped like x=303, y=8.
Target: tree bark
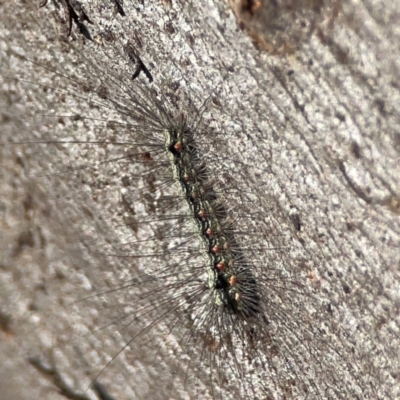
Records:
x=318, y=121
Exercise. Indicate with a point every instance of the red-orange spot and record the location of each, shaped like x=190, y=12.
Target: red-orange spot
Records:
x=233, y=280
x=202, y=214
x=178, y=146
x=221, y=265
x=210, y=232
x=216, y=249
x=147, y=156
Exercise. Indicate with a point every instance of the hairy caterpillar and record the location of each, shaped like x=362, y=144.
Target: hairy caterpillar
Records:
x=175, y=289
x=224, y=353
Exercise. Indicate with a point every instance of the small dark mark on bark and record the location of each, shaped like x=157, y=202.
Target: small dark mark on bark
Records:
x=295, y=218
x=355, y=149
x=5, y=322
x=341, y=117
x=75, y=13
x=118, y=7
x=134, y=57
x=346, y=288
x=25, y=239
x=169, y=27
x=380, y=105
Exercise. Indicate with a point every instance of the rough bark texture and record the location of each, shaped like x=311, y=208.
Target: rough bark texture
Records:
x=320, y=122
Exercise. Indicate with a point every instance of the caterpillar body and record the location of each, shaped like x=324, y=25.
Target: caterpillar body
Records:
x=228, y=275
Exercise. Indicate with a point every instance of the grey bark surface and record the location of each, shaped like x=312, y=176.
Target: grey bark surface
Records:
x=321, y=128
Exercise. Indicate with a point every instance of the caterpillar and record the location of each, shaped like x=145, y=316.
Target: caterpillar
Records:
x=201, y=276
